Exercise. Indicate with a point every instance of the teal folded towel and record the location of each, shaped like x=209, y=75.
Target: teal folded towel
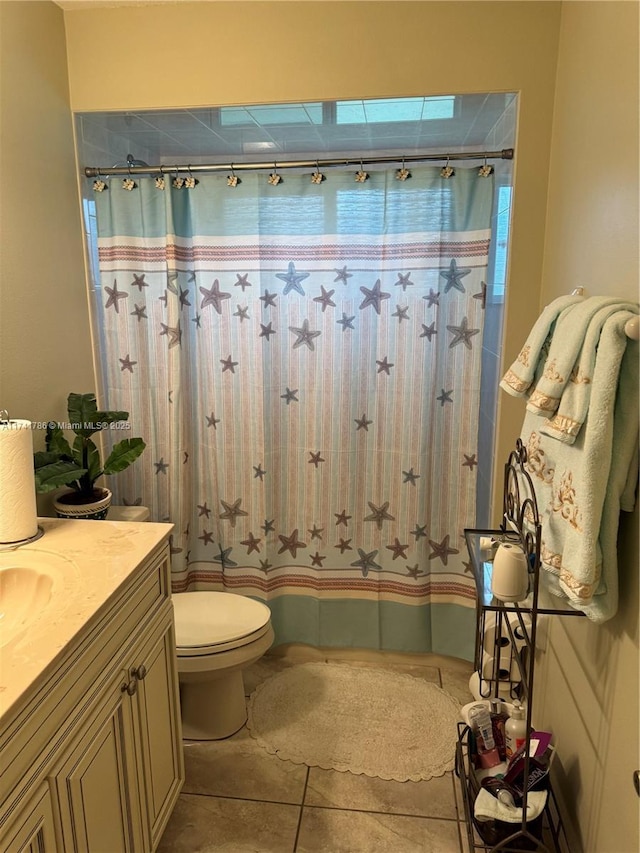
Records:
x=581, y=487
x=518, y=379
x=568, y=344
x=574, y=403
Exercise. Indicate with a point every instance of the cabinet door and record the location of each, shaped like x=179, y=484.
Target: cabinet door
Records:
x=97, y=784
x=35, y=832
x=160, y=738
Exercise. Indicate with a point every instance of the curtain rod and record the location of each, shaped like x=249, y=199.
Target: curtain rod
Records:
x=97, y=172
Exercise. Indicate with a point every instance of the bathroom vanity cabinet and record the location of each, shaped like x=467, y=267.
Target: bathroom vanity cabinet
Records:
x=92, y=758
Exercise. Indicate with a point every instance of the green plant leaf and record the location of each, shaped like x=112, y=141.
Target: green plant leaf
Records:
x=78, y=447
x=86, y=455
x=58, y=474
x=81, y=406
x=55, y=442
x=111, y=417
x=123, y=454
x=82, y=410
x=93, y=459
x=85, y=418
x=44, y=457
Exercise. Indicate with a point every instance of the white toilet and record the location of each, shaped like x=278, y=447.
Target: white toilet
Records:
x=218, y=634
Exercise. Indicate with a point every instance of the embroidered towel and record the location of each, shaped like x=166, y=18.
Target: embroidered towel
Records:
x=581, y=488
x=518, y=379
x=565, y=348
x=574, y=402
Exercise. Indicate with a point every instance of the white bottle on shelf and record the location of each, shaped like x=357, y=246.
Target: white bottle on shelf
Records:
x=515, y=730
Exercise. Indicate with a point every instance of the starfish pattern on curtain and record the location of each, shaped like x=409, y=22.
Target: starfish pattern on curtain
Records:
x=304, y=361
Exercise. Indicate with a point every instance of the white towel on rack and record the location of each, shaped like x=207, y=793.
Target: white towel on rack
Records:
x=486, y=807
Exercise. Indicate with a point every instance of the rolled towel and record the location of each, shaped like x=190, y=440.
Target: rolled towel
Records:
x=486, y=807
x=520, y=376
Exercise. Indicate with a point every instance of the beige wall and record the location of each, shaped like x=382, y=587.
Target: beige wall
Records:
x=218, y=53
x=589, y=674
x=45, y=347
x=202, y=54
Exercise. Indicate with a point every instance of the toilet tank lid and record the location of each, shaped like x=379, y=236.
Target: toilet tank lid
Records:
x=207, y=618
x=128, y=513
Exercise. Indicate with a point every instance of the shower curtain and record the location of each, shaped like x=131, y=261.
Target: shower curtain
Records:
x=303, y=361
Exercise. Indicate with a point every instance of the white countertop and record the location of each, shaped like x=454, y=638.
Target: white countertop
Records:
x=88, y=562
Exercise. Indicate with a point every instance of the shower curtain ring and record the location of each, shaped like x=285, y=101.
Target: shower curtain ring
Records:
x=160, y=181
x=190, y=182
x=317, y=177
x=178, y=182
x=447, y=171
x=99, y=186
x=484, y=171
x=274, y=177
x=128, y=183
x=233, y=180
x=402, y=174
x=361, y=175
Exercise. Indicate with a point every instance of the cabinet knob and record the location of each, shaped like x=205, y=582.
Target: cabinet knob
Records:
x=139, y=673
x=130, y=687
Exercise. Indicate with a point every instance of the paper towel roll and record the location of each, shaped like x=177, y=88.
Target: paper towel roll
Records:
x=18, y=513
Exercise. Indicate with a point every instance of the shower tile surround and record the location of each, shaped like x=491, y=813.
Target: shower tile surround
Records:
x=268, y=132
x=238, y=797
x=481, y=122
x=502, y=135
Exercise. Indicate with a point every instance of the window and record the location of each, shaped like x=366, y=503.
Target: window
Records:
x=395, y=109
x=501, y=242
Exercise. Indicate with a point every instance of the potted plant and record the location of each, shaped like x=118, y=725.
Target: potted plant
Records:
x=78, y=465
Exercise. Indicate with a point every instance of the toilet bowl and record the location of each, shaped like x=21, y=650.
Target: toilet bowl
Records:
x=218, y=634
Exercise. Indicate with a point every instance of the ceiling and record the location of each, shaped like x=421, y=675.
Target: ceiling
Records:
x=308, y=130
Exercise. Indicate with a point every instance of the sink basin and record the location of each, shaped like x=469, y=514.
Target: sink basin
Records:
x=24, y=594
x=29, y=581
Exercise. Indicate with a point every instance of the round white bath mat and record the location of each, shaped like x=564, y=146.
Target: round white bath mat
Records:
x=363, y=720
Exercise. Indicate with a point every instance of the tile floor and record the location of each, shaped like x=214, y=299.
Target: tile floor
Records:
x=239, y=799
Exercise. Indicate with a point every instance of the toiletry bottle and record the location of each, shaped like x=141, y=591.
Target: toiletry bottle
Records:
x=515, y=730
x=480, y=721
x=498, y=721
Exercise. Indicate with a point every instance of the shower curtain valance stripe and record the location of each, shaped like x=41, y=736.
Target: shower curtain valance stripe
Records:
x=303, y=362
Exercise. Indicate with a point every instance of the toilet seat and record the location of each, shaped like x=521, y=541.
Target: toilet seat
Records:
x=218, y=634
x=208, y=623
